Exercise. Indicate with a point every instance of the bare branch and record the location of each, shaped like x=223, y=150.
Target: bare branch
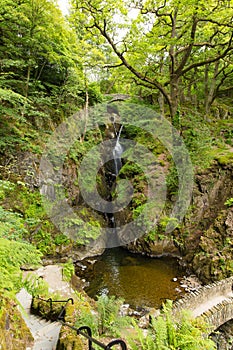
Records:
x=210, y=60
x=178, y=71
x=219, y=24
x=152, y=83
x=114, y=66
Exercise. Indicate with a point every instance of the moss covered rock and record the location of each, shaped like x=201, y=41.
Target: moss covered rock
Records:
x=68, y=338
x=214, y=260
x=14, y=333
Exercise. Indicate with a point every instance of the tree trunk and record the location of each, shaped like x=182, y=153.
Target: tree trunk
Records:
x=211, y=93
x=86, y=110
x=161, y=104
x=174, y=97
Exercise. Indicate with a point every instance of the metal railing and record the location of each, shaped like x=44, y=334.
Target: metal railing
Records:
x=85, y=331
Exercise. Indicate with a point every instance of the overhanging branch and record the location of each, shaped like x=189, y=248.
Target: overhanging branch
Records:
x=149, y=82
x=114, y=65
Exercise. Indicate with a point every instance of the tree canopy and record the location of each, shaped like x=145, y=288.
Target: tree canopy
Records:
x=41, y=72
x=179, y=49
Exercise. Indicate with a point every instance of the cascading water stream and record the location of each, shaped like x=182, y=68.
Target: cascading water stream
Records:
x=117, y=152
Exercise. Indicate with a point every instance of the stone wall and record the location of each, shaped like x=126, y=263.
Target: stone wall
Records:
x=194, y=300
x=217, y=314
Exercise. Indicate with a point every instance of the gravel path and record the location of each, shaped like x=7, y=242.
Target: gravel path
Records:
x=52, y=274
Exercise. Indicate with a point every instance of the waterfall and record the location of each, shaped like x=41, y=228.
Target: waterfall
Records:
x=117, y=152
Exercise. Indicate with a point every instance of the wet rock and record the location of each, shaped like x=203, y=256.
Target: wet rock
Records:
x=156, y=248
x=154, y=313
x=144, y=322
x=134, y=313
x=124, y=310
x=77, y=283
x=190, y=283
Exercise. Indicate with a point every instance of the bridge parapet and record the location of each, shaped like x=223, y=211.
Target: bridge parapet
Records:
x=199, y=301
x=219, y=314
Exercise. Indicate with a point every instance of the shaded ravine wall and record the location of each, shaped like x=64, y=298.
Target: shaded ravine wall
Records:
x=213, y=302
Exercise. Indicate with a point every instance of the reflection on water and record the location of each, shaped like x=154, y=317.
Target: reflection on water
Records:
x=139, y=280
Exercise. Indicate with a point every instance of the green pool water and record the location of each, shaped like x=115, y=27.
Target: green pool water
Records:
x=141, y=281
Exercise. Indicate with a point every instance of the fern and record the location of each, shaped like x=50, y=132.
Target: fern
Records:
x=109, y=319
x=160, y=330
x=12, y=225
x=183, y=335
x=36, y=286
x=13, y=255
x=137, y=340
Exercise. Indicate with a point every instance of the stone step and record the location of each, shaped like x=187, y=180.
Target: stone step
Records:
x=44, y=345
x=48, y=328
x=45, y=333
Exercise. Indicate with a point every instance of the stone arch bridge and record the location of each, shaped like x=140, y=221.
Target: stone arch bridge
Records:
x=213, y=302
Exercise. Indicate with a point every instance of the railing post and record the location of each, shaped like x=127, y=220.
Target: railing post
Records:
x=88, y=329
x=50, y=304
x=116, y=342
x=61, y=316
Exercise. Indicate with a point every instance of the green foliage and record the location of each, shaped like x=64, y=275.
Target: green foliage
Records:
x=174, y=55
x=41, y=78
x=183, y=335
x=168, y=333
x=14, y=332
x=61, y=239
x=68, y=270
x=12, y=225
x=109, y=321
x=80, y=148
x=13, y=255
x=229, y=202
x=36, y=286
x=5, y=188
x=39, y=229
x=159, y=231
x=172, y=179
x=198, y=139
x=139, y=341
x=150, y=142
x=130, y=169
x=87, y=317
x=28, y=219
x=106, y=319
x=224, y=157
x=84, y=227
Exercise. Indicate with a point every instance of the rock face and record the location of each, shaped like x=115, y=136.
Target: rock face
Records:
x=208, y=228
x=156, y=248
x=14, y=332
x=214, y=259
x=205, y=239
